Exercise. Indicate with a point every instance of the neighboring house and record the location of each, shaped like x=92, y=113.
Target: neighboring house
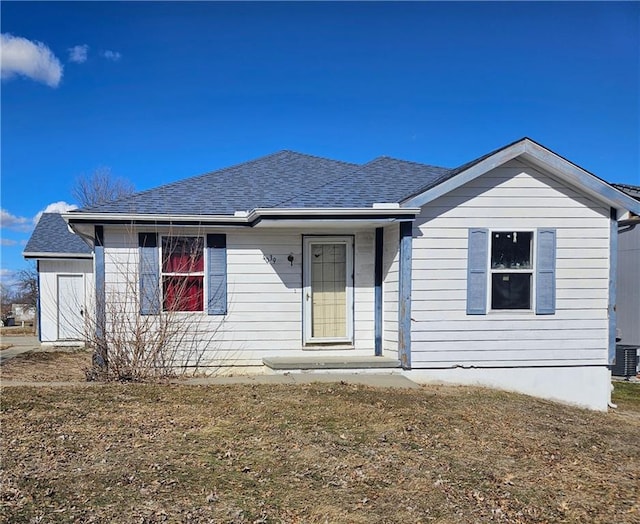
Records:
x=23, y=312
x=628, y=295
x=498, y=272
x=65, y=281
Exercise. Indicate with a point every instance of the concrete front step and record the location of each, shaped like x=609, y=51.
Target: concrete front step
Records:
x=319, y=362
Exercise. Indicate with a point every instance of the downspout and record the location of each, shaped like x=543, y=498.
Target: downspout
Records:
x=613, y=280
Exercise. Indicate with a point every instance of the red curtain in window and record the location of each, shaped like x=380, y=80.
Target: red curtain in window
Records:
x=183, y=293
x=183, y=255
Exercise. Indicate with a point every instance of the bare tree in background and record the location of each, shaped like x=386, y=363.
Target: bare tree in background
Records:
x=27, y=284
x=7, y=297
x=100, y=187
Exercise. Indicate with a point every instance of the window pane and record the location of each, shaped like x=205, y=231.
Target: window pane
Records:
x=511, y=250
x=182, y=254
x=329, y=290
x=511, y=291
x=183, y=293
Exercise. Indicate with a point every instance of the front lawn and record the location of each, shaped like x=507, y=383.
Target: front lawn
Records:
x=313, y=453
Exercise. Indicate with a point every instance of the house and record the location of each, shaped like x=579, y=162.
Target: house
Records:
x=23, y=313
x=628, y=294
x=64, y=263
x=500, y=272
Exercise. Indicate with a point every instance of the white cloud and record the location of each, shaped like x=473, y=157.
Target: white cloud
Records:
x=56, y=207
x=78, y=53
x=7, y=242
x=114, y=56
x=24, y=224
x=7, y=277
x=15, y=223
x=19, y=56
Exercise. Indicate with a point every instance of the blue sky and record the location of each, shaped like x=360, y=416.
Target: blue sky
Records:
x=162, y=91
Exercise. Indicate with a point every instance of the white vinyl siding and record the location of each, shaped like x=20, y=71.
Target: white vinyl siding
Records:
x=628, y=296
x=264, y=297
x=513, y=197
x=49, y=270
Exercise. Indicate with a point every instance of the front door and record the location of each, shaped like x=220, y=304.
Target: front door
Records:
x=328, y=290
x=70, y=307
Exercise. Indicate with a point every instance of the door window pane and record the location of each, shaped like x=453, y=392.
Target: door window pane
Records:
x=328, y=288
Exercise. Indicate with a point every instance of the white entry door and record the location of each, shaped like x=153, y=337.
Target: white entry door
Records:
x=70, y=307
x=328, y=290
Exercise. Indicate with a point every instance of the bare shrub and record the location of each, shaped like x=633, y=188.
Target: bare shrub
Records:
x=132, y=346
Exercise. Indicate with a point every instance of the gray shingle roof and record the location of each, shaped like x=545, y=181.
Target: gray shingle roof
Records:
x=52, y=236
x=285, y=179
x=263, y=182
x=289, y=180
x=381, y=180
x=632, y=191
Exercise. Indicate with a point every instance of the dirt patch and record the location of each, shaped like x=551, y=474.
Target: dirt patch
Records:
x=36, y=366
x=311, y=453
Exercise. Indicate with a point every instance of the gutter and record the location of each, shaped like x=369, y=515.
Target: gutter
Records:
x=628, y=225
x=247, y=219
x=42, y=255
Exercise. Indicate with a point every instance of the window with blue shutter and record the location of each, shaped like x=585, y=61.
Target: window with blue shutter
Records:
x=477, y=257
x=149, y=274
x=546, y=272
x=217, y=274
x=511, y=269
x=502, y=262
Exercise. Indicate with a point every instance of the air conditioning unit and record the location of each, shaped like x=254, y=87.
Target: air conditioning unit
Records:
x=626, y=364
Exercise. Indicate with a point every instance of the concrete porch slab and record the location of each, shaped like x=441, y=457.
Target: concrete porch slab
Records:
x=320, y=362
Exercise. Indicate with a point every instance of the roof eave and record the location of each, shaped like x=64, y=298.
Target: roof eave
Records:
x=533, y=153
x=241, y=218
x=44, y=254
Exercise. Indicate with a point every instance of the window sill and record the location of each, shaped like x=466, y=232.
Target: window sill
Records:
x=326, y=346
x=509, y=312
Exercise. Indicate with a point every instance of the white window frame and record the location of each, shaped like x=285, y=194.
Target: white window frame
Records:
x=202, y=273
x=532, y=271
x=308, y=241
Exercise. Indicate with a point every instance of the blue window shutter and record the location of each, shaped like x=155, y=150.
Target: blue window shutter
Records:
x=217, y=274
x=149, y=274
x=477, y=257
x=546, y=272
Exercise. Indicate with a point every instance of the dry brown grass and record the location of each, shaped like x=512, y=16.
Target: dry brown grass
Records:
x=313, y=453
x=16, y=331
x=62, y=366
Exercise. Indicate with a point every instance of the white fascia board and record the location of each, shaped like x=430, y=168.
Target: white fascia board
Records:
x=328, y=223
x=468, y=175
x=539, y=156
x=110, y=217
x=335, y=211
x=579, y=178
x=56, y=255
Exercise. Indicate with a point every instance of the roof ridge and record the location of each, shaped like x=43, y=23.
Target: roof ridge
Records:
x=414, y=162
x=319, y=157
x=183, y=180
x=221, y=170
x=313, y=189
x=358, y=169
